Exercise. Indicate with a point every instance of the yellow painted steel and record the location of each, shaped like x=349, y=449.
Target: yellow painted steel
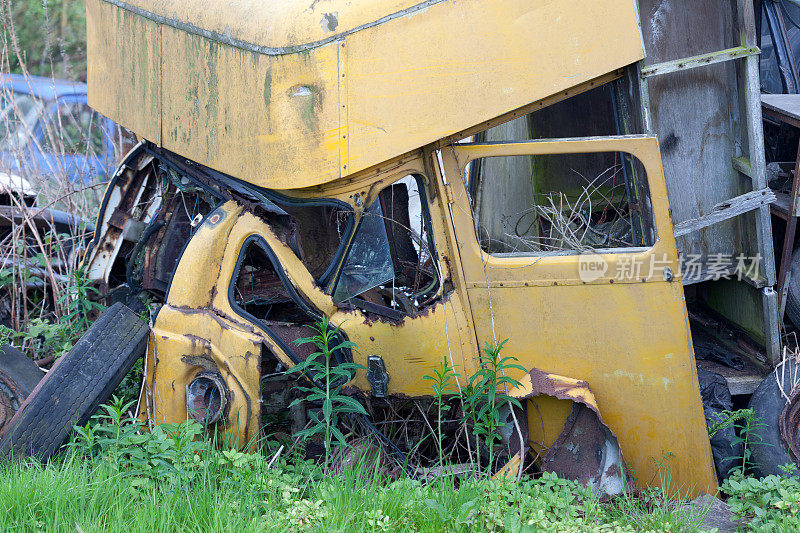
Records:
x=629, y=339
x=315, y=99
x=124, y=67
x=288, y=95
x=189, y=335
x=199, y=321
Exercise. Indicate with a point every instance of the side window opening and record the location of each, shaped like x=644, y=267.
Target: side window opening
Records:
x=317, y=235
x=390, y=269
x=557, y=204
x=560, y=204
x=259, y=291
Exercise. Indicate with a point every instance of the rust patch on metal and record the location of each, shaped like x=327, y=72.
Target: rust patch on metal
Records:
x=195, y=340
x=586, y=450
x=202, y=361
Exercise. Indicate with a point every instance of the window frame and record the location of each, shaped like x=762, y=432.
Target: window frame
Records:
x=466, y=175
x=427, y=225
x=341, y=355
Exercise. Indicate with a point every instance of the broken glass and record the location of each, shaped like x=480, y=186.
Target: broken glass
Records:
x=369, y=261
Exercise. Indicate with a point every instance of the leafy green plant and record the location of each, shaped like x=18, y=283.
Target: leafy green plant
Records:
x=328, y=380
x=41, y=337
x=484, y=396
x=442, y=377
x=52, y=338
x=772, y=502
x=747, y=424
x=175, y=454
x=79, y=301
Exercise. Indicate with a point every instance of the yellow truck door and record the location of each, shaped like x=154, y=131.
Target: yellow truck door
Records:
x=612, y=316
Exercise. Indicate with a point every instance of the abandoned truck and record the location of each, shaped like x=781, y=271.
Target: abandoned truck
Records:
x=342, y=159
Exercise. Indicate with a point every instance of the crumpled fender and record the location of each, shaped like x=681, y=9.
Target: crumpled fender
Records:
x=586, y=450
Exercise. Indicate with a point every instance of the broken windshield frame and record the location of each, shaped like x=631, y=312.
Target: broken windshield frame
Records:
x=370, y=261
x=273, y=201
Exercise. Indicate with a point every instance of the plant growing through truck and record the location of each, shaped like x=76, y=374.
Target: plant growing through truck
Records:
x=442, y=377
x=484, y=397
x=328, y=380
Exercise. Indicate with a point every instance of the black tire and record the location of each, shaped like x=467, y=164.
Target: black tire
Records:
x=19, y=367
x=793, y=293
x=18, y=377
x=77, y=384
x=768, y=451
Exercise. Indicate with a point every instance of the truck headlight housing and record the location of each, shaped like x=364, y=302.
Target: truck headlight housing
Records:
x=206, y=398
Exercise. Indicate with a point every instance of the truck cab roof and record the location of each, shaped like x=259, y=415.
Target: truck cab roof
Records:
x=286, y=95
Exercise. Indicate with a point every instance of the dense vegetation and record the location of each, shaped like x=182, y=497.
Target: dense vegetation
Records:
x=113, y=478
x=45, y=37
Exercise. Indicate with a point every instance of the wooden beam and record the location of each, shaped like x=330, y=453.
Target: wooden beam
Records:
x=742, y=164
x=699, y=61
x=725, y=210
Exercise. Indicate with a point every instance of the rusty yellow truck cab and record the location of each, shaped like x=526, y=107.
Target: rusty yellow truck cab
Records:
x=344, y=159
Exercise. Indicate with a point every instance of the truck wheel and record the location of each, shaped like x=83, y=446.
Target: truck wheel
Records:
x=793, y=293
x=77, y=384
x=18, y=377
x=768, y=449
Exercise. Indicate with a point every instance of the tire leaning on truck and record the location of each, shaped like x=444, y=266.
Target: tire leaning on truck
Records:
x=768, y=450
x=793, y=292
x=77, y=385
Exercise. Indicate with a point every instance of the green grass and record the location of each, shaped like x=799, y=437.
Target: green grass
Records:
x=73, y=497
x=225, y=494
x=114, y=477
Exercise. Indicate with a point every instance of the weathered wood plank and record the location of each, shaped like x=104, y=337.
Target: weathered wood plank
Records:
x=697, y=119
x=699, y=60
x=784, y=104
x=718, y=272
x=742, y=164
x=725, y=210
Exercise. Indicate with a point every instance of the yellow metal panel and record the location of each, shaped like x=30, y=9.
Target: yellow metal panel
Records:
x=421, y=78
x=267, y=118
x=199, y=324
x=193, y=284
x=198, y=330
x=191, y=335
x=124, y=76
x=294, y=117
x=411, y=348
x=630, y=341
x=278, y=26
x=184, y=341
